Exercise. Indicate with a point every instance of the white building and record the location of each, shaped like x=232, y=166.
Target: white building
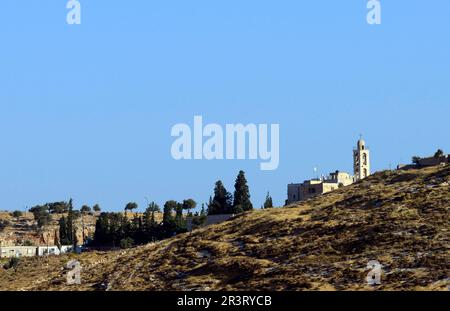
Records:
x=31, y=251
x=314, y=187
x=17, y=251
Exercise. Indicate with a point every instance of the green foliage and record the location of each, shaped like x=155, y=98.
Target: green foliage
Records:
x=63, y=232
x=439, y=153
x=111, y=229
x=416, y=160
x=58, y=207
x=126, y=243
x=241, y=201
x=179, y=216
x=268, y=202
x=13, y=263
x=85, y=209
x=131, y=206
x=198, y=221
x=189, y=204
x=96, y=208
x=222, y=201
x=28, y=243
x=169, y=207
x=41, y=215
x=70, y=224
x=17, y=214
x=3, y=225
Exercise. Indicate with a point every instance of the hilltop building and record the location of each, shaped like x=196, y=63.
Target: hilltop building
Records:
x=437, y=159
x=314, y=187
x=361, y=160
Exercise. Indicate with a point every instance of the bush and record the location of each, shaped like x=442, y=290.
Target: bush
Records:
x=13, y=263
x=3, y=224
x=126, y=243
x=28, y=243
x=17, y=214
x=439, y=153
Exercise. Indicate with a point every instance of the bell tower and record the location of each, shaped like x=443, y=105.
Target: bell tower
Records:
x=361, y=160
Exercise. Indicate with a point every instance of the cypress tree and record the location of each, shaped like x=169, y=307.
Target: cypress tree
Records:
x=221, y=203
x=169, y=207
x=63, y=239
x=268, y=203
x=241, y=201
x=70, y=224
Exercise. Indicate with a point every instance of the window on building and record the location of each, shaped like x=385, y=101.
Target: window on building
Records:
x=365, y=172
x=364, y=159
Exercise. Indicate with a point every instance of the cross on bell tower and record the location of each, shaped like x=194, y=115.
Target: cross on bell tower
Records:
x=361, y=160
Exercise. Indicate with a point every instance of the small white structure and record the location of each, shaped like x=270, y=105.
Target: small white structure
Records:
x=31, y=251
x=17, y=251
x=54, y=250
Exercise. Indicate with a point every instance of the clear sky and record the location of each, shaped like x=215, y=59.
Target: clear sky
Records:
x=86, y=110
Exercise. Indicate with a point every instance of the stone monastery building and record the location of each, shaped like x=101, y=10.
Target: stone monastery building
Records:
x=314, y=187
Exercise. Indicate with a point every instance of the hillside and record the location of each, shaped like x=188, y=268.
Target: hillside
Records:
x=400, y=218
x=23, y=229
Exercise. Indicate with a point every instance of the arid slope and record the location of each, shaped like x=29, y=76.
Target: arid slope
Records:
x=400, y=218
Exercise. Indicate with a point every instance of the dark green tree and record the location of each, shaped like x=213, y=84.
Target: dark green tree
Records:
x=102, y=234
x=169, y=207
x=222, y=201
x=241, y=201
x=63, y=238
x=203, y=211
x=268, y=202
x=17, y=214
x=85, y=209
x=96, y=208
x=439, y=153
x=70, y=224
x=149, y=215
x=41, y=215
x=188, y=205
x=131, y=206
x=179, y=215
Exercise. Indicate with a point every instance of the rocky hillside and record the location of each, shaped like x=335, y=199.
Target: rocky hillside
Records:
x=400, y=218
x=23, y=229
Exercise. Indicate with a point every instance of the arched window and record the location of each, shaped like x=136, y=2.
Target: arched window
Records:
x=364, y=159
x=365, y=173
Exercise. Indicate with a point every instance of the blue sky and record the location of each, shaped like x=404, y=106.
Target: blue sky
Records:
x=86, y=110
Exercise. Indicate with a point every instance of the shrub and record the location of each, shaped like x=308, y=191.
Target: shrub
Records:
x=439, y=153
x=126, y=243
x=3, y=224
x=13, y=263
x=28, y=243
x=416, y=160
x=17, y=214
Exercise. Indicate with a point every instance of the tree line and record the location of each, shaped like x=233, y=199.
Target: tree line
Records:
x=128, y=229
x=122, y=230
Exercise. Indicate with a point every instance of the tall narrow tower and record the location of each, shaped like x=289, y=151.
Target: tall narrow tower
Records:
x=361, y=160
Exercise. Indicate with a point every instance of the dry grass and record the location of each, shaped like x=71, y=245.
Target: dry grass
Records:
x=399, y=218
